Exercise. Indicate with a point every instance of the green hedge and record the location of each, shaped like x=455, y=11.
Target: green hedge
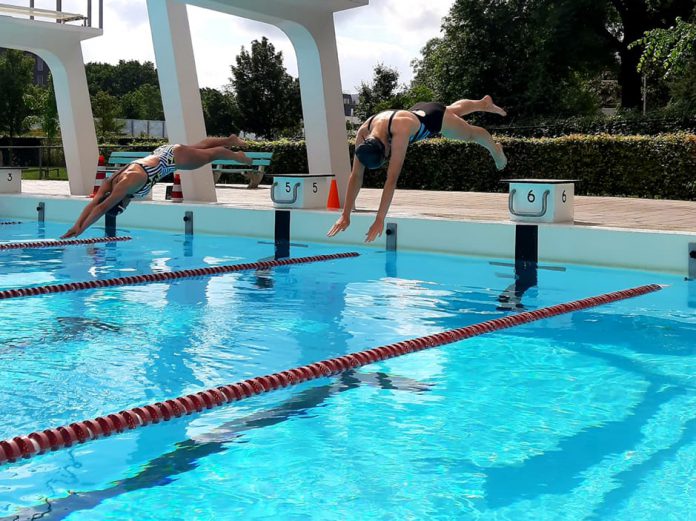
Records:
x=621, y=125
x=639, y=166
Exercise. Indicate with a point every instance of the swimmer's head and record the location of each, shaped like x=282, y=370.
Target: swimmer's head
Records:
x=371, y=153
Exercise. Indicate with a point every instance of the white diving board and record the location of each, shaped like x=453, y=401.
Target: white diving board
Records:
x=59, y=16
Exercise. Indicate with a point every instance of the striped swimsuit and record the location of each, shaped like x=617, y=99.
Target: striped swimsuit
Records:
x=164, y=167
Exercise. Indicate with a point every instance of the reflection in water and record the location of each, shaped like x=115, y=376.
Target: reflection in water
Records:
x=187, y=454
x=66, y=329
x=525, y=278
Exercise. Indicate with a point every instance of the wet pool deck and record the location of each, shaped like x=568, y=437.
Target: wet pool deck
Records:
x=609, y=212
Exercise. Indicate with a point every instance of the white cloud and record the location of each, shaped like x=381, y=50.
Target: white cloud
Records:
x=388, y=31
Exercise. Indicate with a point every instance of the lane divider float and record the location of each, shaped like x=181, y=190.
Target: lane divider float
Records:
x=10, y=222
x=167, y=275
x=39, y=442
x=22, y=245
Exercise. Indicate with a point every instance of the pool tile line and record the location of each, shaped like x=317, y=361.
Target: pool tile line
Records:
x=66, y=436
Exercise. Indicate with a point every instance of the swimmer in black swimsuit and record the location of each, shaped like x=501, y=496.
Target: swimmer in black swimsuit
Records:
x=388, y=134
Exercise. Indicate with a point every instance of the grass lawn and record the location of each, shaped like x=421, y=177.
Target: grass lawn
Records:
x=52, y=173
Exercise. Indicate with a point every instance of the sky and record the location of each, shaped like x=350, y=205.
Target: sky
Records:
x=387, y=31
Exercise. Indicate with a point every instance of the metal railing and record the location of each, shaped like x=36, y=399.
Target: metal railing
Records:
x=34, y=12
x=46, y=162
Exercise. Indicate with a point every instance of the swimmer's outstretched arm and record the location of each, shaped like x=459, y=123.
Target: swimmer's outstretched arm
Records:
x=95, y=209
x=354, y=185
x=104, y=189
x=396, y=162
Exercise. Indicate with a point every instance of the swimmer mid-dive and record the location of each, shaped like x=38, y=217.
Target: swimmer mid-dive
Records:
x=137, y=178
x=387, y=135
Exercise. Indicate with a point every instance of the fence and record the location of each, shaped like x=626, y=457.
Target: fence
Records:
x=51, y=11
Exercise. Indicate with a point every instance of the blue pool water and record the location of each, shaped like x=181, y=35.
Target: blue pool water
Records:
x=590, y=415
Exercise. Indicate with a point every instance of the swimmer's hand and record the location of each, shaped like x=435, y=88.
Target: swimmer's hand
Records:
x=340, y=225
x=375, y=230
x=72, y=232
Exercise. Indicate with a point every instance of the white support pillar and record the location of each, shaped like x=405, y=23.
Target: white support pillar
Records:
x=75, y=114
x=176, y=68
x=322, y=98
x=59, y=45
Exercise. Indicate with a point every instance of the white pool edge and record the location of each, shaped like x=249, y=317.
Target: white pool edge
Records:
x=645, y=250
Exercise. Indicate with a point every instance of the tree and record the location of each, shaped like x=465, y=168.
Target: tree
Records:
x=220, y=112
x=105, y=110
x=379, y=93
x=16, y=70
x=50, y=123
x=671, y=54
x=118, y=80
x=143, y=103
x=669, y=51
x=268, y=98
x=44, y=112
x=631, y=20
x=528, y=54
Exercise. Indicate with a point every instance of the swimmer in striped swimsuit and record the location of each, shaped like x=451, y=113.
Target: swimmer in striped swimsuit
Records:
x=137, y=178
x=388, y=134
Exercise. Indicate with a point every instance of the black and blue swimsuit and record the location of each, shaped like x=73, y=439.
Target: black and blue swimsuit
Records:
x=430, y=115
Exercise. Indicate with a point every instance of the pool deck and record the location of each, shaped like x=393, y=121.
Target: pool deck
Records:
x=604, y=212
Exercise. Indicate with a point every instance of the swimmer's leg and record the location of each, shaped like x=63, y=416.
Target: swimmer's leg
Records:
x=211, y=142
x=467, y=106
x=190, y=158
x=454, y=127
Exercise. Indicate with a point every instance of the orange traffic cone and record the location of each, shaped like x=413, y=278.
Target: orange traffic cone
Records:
x=177, y=194
x=334, y=202
x=101, y=175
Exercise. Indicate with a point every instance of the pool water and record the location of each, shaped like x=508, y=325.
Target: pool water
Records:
x=590, y=415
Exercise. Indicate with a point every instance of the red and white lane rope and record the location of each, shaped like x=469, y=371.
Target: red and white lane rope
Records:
x=35, y=443
x=20, y=245
x=164, y=276
x=10, y=222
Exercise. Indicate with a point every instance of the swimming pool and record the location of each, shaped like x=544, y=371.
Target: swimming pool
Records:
x=587, y=415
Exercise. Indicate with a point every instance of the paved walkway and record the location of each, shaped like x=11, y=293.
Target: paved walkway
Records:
x=619, y=212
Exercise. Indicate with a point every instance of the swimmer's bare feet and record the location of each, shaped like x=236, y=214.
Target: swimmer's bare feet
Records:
x=500, y=159
x=492, y=107
x=235, y=141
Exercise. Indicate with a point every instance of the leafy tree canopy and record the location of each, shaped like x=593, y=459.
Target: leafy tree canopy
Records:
x=268, y=98
x=16, y=74
x=220, y=112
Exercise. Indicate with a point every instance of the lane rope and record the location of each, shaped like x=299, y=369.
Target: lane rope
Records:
x=10, y=222
x=13, y=449
x=21, y=245
x=167, y=275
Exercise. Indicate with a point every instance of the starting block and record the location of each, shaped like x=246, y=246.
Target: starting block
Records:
x=541, y=200
x=300, y=190
x=10, y=180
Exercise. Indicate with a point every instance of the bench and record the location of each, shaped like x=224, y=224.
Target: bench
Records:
x=118, y=160
x=59, y=16
x=254, y=172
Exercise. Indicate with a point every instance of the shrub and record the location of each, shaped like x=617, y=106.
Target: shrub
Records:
x=637, y=166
